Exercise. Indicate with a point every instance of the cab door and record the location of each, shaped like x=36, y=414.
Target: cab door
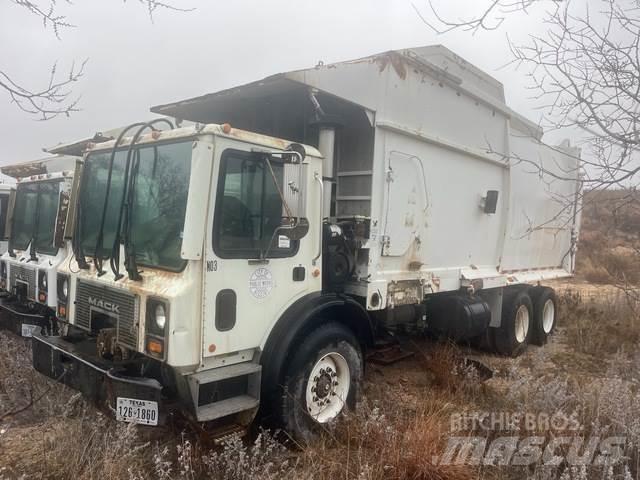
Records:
x=253, y=270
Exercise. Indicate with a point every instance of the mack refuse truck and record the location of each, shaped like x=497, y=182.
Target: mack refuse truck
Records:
x=251, y=260
x=37, y=220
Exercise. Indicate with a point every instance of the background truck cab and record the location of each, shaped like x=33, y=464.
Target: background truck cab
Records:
x=36, y=246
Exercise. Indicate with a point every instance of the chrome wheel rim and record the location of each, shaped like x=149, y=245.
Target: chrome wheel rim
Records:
x=328, y=387
x=548, y=316
x=522, y=323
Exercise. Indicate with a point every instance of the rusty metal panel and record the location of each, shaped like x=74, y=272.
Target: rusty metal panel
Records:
x=57, y=164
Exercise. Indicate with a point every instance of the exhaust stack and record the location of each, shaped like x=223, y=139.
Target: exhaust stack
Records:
x=326, y=145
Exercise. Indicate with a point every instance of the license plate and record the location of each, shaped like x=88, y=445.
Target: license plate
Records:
x=137, y=411
x=27, y=330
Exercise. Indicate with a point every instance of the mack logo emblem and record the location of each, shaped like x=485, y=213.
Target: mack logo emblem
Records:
x=107, y=306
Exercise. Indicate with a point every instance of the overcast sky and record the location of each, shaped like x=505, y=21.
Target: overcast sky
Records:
x=134, y=64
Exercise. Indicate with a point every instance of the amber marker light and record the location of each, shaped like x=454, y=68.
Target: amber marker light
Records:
x=155, y=346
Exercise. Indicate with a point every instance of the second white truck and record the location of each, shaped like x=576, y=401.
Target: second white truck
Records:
x=36, y=245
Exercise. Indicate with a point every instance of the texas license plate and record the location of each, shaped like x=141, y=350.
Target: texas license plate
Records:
x=137, y=411
x=27, y=330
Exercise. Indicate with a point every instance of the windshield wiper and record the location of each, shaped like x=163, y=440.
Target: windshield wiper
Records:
x=126, y=207
x=34, y=234
x=97, y=257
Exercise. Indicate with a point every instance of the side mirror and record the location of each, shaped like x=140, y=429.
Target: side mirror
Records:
x=296, y=231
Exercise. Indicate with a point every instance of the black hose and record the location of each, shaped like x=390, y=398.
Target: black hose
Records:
x=131, y=172
x=97, y=258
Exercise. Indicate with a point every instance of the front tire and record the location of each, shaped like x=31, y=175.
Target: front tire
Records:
x=323, y=379
x=514, y=333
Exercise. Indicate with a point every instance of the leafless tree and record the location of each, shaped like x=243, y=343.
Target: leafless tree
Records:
x=584, y=72
x=55, y=97
x=489, y=16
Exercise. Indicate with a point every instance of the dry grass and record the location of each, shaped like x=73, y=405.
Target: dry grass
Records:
x=600, y=327
x=399, y=431
x=608, y=251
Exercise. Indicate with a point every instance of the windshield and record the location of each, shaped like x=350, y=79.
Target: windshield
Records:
x=34, y=216
x=159, y=203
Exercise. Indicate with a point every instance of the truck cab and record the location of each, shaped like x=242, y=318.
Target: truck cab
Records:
x=36, y=244
x=188, y=243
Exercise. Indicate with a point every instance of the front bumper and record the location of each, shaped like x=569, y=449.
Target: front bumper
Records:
x=63, y=359
x=23, y=319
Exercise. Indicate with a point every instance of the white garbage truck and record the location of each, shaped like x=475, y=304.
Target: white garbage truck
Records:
x=251, y=260
x=36, y=224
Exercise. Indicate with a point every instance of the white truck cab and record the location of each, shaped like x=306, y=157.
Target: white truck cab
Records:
x=36, y=244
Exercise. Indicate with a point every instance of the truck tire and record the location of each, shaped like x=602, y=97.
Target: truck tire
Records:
x=545, y=312
x=514, y=333
x=322, y=380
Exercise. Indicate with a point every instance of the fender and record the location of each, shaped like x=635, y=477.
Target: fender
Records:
x=301, y=317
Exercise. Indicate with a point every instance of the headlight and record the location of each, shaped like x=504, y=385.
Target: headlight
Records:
x=157, y=319
x=160, y=316
x=44, y=281
x=63, y=288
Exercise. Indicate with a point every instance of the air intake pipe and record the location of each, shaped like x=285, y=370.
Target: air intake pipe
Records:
x=326, y=145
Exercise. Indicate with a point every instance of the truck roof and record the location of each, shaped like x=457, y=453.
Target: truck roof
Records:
x=78, y=147
x=43, y=166
x=348, y=80
x=213, y=129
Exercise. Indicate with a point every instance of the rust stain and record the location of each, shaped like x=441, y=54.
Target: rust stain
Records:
x=397, y=62
x=25, y=170
x=399, y=65
x=154, y=281
x=382, y=61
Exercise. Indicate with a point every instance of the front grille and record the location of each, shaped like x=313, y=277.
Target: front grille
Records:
x=22, y=274
x=119, y=304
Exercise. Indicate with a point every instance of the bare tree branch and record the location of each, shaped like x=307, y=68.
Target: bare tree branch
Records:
x=490, y=17
x=52, y=100
x=46, y=13
x=56, y=97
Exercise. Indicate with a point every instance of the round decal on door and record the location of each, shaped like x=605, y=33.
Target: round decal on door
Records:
x=261, y=282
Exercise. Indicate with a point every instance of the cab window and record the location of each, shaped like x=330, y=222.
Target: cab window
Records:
x=249, y=208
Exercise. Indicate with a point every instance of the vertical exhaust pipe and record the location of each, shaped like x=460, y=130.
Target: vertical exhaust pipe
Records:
x=326, y=145
x=326, y=124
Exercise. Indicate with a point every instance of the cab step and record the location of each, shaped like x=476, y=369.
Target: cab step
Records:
x=224, y=391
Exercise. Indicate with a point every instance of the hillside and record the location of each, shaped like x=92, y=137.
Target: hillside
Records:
x=609, y=247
